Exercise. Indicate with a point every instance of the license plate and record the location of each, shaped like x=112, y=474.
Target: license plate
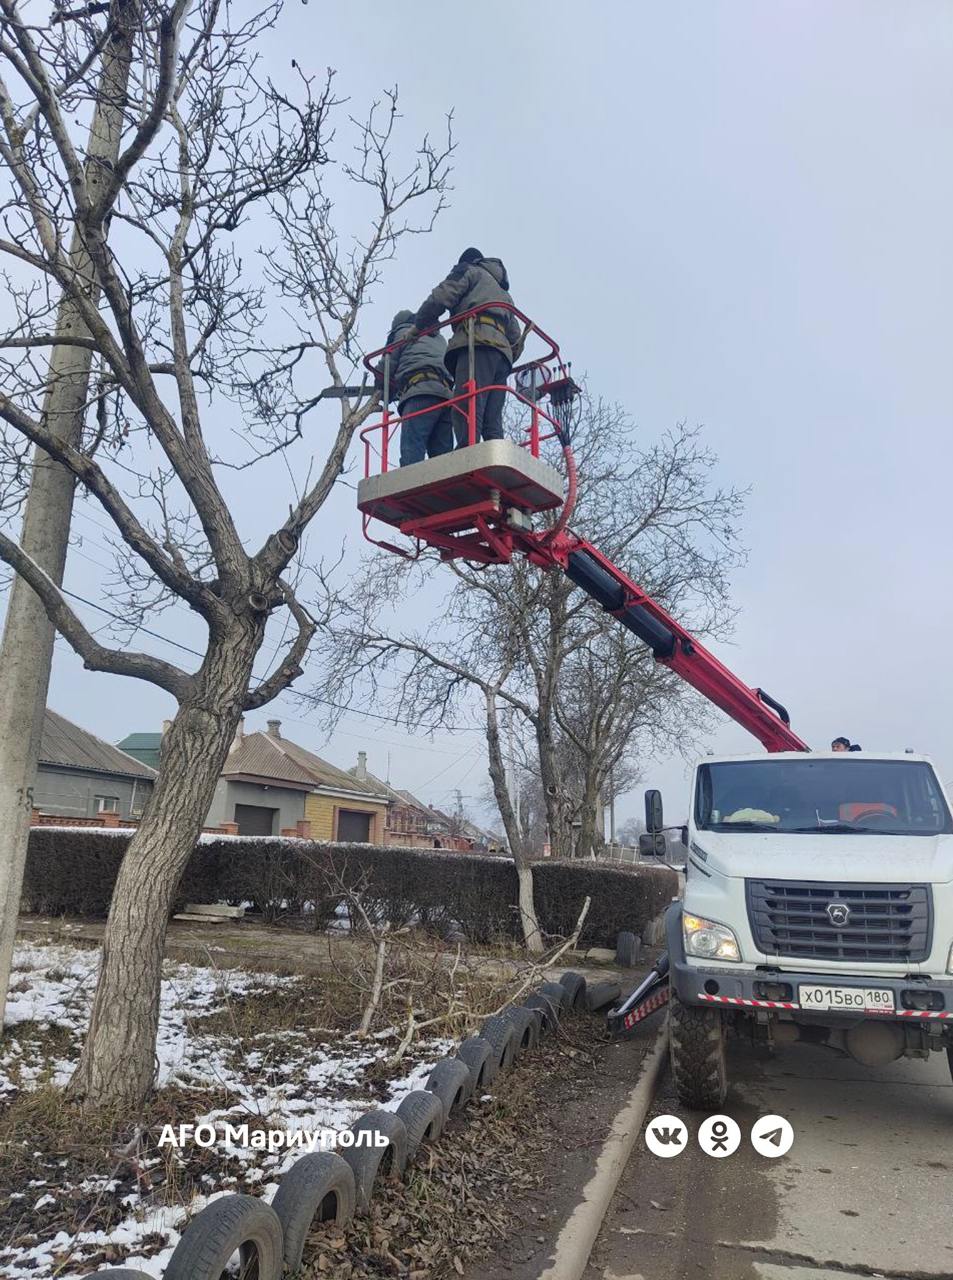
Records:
x=865, y=999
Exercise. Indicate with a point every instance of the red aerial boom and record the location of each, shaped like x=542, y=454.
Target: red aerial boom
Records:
x=478, y=504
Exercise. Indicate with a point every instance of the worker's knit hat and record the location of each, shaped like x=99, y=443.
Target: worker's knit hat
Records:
x=470, y=255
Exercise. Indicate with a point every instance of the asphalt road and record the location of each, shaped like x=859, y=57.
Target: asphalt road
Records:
x=866, y=1189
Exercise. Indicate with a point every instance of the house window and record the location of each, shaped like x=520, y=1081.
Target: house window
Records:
x=107, y=804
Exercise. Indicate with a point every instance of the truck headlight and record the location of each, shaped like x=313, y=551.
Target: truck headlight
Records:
x=708, y=939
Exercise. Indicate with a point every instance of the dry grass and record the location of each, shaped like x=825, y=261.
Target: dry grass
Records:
x=90, y=1160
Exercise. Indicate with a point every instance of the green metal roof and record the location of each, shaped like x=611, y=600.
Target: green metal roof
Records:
x=150, y=741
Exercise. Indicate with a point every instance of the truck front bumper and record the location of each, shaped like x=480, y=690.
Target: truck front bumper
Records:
x=915, y=999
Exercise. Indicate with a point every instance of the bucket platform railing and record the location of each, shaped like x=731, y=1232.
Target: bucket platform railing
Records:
x=544, y=377
x=465, y=508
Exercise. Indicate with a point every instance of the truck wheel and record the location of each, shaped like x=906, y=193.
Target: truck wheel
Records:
x=697, y=1048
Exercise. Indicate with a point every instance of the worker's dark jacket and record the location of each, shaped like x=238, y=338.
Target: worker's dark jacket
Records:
x=417, y=368
x=472, y=285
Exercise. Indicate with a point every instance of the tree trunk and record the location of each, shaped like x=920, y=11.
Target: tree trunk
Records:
x=524, y=867
x=560, y=839
x=117, y=1065
x=527, y=903
x=27, y=649
x=585, y=840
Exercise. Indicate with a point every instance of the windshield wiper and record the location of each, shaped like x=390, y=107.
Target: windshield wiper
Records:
x=838, y=829
x=744, y=825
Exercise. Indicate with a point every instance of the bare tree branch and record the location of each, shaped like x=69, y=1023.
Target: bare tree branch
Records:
x=96, y=657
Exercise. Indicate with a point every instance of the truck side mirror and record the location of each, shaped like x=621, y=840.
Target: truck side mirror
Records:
x=654, y=819
x=652, y=845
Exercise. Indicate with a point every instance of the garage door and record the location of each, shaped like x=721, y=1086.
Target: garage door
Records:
x=354, y=827
x=254, y=820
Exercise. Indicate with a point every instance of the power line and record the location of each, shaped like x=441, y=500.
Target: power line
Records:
x=274, y=648
x=145, y=630
x=338, y=706
x=447, y=768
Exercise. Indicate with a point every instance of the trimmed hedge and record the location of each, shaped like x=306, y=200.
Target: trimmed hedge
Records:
x=73, y=871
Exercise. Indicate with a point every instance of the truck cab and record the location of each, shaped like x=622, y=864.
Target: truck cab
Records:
x=818, y=905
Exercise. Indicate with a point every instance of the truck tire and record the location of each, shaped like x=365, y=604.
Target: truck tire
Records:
x=697, y=1050
x=627, y=948
x=370, y=1163
x=557, y=993
x=575, y=985
x=503, y=1036
x=422, y=1114
x=452, y=1081
x=234, y=1222
x=527, y=1028
x=547, y=1009
x=480, y=1056
x=535, y=1014
x=317, y=1188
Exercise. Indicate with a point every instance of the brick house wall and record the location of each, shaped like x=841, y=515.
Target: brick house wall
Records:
x=321, y=811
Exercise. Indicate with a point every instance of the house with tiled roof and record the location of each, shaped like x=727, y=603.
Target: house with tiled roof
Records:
x=80, y=776
x=410, y=823
x=270, y=785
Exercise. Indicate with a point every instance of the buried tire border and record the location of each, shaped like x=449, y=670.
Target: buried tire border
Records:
x=366, y=1162
x=236, y=1220
x=452, y=1082
x=480, y=1056
x=423, y=1114
x=230, y=1223
x=303, y=1191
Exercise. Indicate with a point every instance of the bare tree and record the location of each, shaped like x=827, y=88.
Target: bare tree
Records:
x=587, y=692
x=186, y=326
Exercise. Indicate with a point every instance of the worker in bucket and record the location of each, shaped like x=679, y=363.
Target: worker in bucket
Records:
x=477, y=281
x=421, y=386
x=841, y=744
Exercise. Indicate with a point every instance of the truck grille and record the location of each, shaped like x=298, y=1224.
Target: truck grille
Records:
x=889, y=923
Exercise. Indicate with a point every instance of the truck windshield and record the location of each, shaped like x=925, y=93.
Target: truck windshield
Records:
x=880, y=797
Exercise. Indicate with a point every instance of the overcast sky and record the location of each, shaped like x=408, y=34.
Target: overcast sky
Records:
x=734, y=214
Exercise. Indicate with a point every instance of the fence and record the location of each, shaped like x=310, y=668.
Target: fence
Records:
x=112, y=820
x=627, y=853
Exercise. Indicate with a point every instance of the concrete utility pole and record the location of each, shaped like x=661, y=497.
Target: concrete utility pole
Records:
x=27, y=648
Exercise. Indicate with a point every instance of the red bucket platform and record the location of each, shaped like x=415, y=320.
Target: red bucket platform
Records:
x=476, y=502
x=449, y=494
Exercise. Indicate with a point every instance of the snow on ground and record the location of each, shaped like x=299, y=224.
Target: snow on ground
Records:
x=278, y=1080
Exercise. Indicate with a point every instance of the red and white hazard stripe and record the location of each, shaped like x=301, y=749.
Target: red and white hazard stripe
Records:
x=790, y=1004
x=756, y=1004
x=910, y=1013
x=646, y=1007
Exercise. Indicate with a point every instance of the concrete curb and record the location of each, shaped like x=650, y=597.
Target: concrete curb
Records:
x=579, y=1233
